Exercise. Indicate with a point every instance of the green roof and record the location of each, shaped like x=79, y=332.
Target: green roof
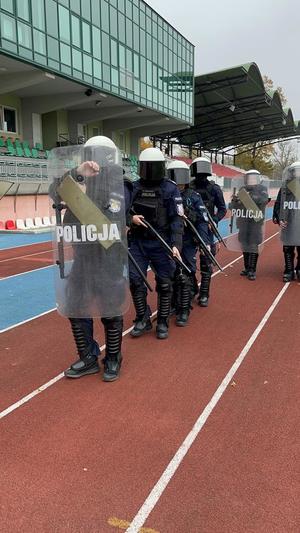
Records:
x=233, y=107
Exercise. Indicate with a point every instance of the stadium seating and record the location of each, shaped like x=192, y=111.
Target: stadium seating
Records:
x=38, y=222
x=29, y=223
x=20, y=224
x=46, y=221
x=10, y=224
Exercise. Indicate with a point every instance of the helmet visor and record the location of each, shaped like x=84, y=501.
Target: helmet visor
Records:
x=152, y=170
x=181, y=176
x=201, y=167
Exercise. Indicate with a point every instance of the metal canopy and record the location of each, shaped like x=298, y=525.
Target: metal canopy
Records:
x=232, y=107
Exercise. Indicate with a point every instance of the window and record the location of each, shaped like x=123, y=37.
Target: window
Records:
x=96, y=12
x=75, y=6
x=7, y=5
x=77, y=60
x=8, y=28
x=38, y=14
x=39, y=42
x=114, y=22
x=53, y=51
x=51, y=18
x=23, y=9
x=86, y=9
x=65, y=54
x=8, y=119
x=86, y=37
x=64, y=24
x=24, y=35
x=96, y=43
x=76, y=31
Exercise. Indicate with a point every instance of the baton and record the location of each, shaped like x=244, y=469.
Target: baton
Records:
x=232, y=216
x=60, y=245
x=166, y=247
x=141, y=273
x=203, y=245
x=214, y=229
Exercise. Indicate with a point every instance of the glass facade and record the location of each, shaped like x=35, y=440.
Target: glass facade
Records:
x=120, y=46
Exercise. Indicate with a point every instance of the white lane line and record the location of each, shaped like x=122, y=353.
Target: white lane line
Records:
x=27, y=320
x=40, y=389
x=23, y=245
x=24, y=256
x=155, y=494
x=26, y=272
x=51, y=310
x=57, y=378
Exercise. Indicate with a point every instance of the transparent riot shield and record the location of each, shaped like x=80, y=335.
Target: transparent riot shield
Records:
x=290, y=211
x=90, y=244
x=247, y=206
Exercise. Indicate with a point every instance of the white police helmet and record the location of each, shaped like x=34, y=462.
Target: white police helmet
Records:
x=103, y=147
x=252, y=177
x=152, y=165
x=179, y=172
x=201, y=165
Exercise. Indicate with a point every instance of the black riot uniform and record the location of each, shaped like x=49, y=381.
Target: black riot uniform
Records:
x=195, y=211
x=289, y=216
x=214, y=202
x=89, y=258
x=158, y=200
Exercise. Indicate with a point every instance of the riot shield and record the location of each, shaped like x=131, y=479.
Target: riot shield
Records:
x=247, y=207
x=290, y=211
x=90, y=244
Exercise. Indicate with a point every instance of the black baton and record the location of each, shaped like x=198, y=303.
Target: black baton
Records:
x=203, y=245
x=166, y=246
x=215, y=230
x=141, y=273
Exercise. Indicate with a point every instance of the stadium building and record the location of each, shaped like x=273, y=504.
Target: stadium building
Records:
x=70, y=69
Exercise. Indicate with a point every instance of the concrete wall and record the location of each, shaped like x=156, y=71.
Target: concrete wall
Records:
x=12, y=207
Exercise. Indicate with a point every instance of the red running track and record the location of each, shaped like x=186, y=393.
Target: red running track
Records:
x=84, y=451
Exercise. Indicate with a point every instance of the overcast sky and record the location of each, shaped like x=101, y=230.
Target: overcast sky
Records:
x=231, y=32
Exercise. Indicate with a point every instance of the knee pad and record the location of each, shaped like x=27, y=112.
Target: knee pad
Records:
x=164, y=285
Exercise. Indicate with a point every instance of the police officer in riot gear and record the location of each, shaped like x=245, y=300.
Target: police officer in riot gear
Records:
x=88, y=279
x=214, y=202
x=156, y=199
x=195, y=211
x=286, y=213
x=250, y=230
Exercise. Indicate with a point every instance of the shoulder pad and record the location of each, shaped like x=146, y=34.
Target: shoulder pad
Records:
x=170, y=181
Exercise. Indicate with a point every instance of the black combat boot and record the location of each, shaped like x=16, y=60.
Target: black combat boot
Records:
x=164, y=293
x=88, y=349
x=183, y=301
x=288, y=274
x=142, y=322
x=204, y=289
x=253, y=257
x=113, y=339
x=246, y=264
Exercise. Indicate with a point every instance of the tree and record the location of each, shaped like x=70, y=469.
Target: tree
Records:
x=284, y=155
x=145, y=143
x=256, y=156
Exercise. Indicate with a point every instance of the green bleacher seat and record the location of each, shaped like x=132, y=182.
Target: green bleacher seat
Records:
x=39, y=146
x=35, y=153
x=26, y=149
x=19, y=151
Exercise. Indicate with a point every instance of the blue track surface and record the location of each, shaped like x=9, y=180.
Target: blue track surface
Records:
x=19, y=239
x=27, y=295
